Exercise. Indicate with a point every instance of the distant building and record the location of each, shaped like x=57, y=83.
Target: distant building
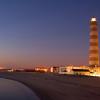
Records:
x=94, y=47
x=54, y=69
x=41, y=69
x=74, y=70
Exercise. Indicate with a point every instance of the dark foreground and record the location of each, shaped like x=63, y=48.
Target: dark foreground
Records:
x=59, y=87
x=13, y=90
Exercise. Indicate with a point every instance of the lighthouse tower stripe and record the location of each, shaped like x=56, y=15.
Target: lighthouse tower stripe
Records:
x=94, y=46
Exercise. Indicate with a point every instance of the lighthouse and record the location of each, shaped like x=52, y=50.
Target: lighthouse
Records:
x=93, y=43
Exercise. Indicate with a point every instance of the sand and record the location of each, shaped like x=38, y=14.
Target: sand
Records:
x=58, y=87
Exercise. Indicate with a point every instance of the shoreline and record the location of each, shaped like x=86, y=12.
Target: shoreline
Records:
x=22, y=84
x=58, y=87
x=15, y=90
x=34, y=89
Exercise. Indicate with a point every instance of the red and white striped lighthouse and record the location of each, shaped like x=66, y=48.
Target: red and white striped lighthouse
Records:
x=94, y=46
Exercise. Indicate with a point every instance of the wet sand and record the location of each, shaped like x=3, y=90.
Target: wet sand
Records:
x=58, y=87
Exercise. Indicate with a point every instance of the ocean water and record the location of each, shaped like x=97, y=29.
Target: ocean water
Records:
x=13, y=90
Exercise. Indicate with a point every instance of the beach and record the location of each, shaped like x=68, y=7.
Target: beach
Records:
x=48, y=86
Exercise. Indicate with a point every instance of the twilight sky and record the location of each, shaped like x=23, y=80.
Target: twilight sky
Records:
x=45, y=31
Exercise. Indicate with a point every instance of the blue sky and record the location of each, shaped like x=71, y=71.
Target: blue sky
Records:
x=45, y=31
